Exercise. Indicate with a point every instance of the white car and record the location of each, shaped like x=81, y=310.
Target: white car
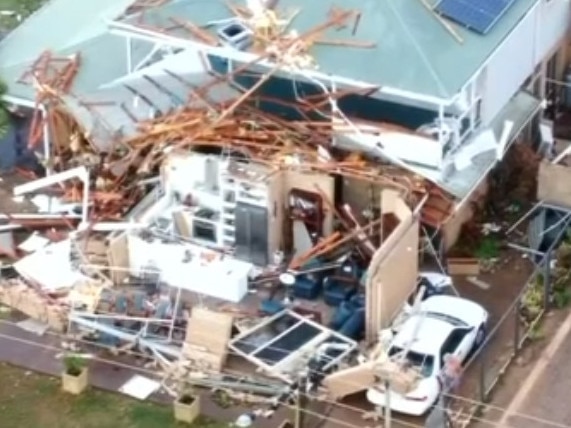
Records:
x=434, y=284
x=444, y=325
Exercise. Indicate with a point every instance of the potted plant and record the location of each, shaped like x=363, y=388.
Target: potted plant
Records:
x=187, y=407
x=75, y=376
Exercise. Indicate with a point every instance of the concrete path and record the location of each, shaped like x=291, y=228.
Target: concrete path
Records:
x=542, y=400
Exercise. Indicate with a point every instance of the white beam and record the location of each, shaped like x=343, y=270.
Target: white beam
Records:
x=39, y=216
x=9, y=227
x=112, y=227
x=79, y=172
x=147, y=57
x=129, y=44
x=128, y=337
x=22, y=102
x=504, y=139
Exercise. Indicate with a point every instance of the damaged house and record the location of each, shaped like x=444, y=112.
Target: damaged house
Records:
x=268, y=172
x=467, y=82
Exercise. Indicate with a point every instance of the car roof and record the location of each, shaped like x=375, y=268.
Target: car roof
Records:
x=464, y=310
x=430, y=334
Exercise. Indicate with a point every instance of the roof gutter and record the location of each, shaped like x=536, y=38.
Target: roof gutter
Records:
x=22, y=102
x=128, y=30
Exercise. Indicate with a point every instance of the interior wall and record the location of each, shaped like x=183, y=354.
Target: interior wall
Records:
x=358, y=194
x=311, y=182
x=118, y=257
x=181, y=172
x=275, y=213
x=393, y=269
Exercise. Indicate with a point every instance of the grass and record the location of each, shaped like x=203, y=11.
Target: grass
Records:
x=29, y=400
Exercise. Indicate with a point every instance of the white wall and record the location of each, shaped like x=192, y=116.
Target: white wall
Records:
x=553, y=22
x=535, y=38
x=510, y=65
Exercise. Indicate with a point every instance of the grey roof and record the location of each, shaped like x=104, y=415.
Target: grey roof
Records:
x=160, y=88
x=66, y=27
x=57, y=25
x=413, y=50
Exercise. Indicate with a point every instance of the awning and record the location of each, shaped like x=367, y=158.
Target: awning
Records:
x=520, y=111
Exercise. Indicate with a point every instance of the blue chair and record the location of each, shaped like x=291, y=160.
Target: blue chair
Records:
x=346, y=310
x=337, y=289
x=354, y=327
x=307, y=286
x=341, y=315
x=271, y=306
x=358, y=300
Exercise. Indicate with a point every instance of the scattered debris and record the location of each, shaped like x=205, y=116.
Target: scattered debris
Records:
x=463, y=266
x=478, y=282
x=33, y=326
x=187, y=231
x=139, y=387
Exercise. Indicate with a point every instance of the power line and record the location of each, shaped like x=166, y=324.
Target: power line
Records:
x=154, y=374
x=240, y=375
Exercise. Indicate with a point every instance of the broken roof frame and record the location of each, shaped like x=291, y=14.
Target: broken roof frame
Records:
x=79, y=172
x=154, y=35
x=91, y=322
x=160, y=39
x=181, y=41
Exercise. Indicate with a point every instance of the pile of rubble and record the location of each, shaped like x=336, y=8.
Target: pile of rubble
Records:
x=214, y=228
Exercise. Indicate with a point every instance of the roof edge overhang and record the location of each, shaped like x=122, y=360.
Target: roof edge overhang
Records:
x=22, y=101
x=133, y=31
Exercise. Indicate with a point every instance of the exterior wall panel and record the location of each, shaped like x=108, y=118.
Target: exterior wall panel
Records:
x=554, y=17
x=533, y=41
x=510, y=66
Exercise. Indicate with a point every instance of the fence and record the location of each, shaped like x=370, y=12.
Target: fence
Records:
x=504, y=342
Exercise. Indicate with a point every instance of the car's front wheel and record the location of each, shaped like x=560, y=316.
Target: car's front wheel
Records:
x=480, y=337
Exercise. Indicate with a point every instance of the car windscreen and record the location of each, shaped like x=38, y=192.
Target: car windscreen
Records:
x=456, y=322
x=423, y=362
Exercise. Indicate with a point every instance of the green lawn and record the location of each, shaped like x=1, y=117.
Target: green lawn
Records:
x=28, y=400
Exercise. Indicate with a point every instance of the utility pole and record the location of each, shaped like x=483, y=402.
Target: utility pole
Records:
x=387, y=415
x=300, y=402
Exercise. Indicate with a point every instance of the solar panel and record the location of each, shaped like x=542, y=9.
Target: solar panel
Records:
x=477, y=15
